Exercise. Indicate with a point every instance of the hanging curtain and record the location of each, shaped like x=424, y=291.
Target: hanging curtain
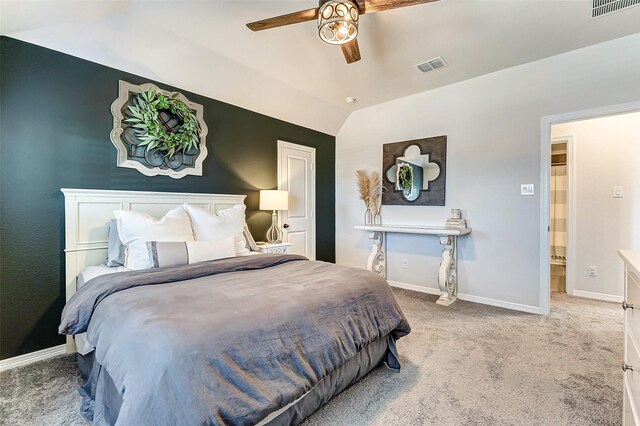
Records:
x=559, y=214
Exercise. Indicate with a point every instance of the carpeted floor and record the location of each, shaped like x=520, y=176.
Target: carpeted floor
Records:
x=468, y=364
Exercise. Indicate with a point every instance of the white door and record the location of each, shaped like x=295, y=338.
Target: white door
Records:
x=296, y=174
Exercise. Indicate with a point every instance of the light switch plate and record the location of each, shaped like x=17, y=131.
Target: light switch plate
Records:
x=617, y=192
x=527, y=189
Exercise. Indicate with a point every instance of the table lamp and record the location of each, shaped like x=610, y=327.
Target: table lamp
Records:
x=274, y=200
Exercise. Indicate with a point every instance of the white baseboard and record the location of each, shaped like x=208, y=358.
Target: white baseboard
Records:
x=470, y=298
x=598, y=296
x=414, y=287
x=19, y=361
x=501, y=303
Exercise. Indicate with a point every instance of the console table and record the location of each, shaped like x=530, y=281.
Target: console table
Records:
x=448, y=236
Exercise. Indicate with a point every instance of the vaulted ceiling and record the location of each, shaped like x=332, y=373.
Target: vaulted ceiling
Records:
x=288, y=72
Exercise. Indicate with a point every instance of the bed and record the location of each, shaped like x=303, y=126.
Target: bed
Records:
x=262, y=339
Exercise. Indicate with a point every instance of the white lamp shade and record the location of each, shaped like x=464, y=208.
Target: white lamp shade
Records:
x=274, y=200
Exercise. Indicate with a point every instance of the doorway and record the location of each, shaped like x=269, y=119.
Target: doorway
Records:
x=297, y=175
x=594, y=272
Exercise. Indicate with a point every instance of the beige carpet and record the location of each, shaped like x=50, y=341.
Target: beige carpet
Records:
x=468, y=364
x=471, y=364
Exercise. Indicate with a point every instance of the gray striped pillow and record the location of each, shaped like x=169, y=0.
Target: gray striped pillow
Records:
x=166, y=254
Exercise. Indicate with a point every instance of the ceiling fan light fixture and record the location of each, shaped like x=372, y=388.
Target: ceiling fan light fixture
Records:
x=338, y=21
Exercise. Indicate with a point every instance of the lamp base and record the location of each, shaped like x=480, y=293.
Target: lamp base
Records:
x=274, y=233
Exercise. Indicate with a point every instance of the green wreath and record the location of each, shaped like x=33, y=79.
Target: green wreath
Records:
x=144, y=118
x=405, y=176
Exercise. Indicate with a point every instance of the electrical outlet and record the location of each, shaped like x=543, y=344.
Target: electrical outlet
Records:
x=593, y=271
x=617, y=192
x=527, y=189
x=405, y=264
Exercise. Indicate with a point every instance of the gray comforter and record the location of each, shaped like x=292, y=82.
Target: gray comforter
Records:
x=232, y=340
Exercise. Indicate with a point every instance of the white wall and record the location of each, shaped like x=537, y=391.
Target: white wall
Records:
x=194, y=67
x=606, y=154
x=493, y=126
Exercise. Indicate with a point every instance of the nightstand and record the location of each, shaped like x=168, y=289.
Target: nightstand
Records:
x=283, y=248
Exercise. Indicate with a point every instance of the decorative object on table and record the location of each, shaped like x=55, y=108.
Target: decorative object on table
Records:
x=274, y=200
x=281, y=248
x=370, y=189
x=158, y=132
x=456, y=220
x=414, y=172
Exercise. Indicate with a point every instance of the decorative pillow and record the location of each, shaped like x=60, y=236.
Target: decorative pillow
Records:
x=116, y=250
x=250, y=243
x=136, y=228
x=226, y=223
x=163, y=254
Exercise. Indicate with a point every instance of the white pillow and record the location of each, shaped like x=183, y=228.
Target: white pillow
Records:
x=136, y=228
x=250, y=243
x=163, y=254
x=226, y=223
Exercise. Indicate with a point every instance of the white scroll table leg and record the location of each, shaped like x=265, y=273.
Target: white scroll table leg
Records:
x=447, y=275
x=377, y=259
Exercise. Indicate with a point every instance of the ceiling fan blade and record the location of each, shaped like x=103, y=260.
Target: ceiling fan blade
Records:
x=351, y=51
x=279, y=21
x=372, y=6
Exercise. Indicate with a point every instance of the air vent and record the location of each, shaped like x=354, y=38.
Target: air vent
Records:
x=606, y=7
x=433, y=64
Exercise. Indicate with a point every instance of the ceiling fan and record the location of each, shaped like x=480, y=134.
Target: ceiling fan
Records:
x=337, y=20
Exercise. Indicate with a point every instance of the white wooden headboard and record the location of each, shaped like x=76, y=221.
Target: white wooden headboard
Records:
x=87, y=213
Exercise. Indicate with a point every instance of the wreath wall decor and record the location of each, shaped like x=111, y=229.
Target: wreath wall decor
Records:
x=158, y=132
x=405, y=176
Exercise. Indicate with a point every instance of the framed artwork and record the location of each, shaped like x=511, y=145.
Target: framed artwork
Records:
x=414, y=172
x=158, y=132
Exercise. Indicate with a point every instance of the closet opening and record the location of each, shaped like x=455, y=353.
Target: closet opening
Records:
x=560, y=192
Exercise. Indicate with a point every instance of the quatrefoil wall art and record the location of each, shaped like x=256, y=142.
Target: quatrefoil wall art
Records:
x=415, y=172
x=158, y=132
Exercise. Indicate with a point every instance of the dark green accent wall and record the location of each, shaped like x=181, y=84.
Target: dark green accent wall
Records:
x=54, y=133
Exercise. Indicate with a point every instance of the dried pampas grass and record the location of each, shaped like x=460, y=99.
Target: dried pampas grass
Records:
x=375, y=192
x=370, y=189
x=363, y=185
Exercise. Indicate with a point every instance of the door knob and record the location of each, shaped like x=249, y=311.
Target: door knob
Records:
x=285, y=226
x=626, y=305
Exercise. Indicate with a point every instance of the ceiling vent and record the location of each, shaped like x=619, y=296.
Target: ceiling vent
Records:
x=433, y=64
x=602, y=8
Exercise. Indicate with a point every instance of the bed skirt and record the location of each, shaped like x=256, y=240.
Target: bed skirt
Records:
x=98, y=385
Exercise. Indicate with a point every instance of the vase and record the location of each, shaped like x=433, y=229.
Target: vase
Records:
x=368, y=217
